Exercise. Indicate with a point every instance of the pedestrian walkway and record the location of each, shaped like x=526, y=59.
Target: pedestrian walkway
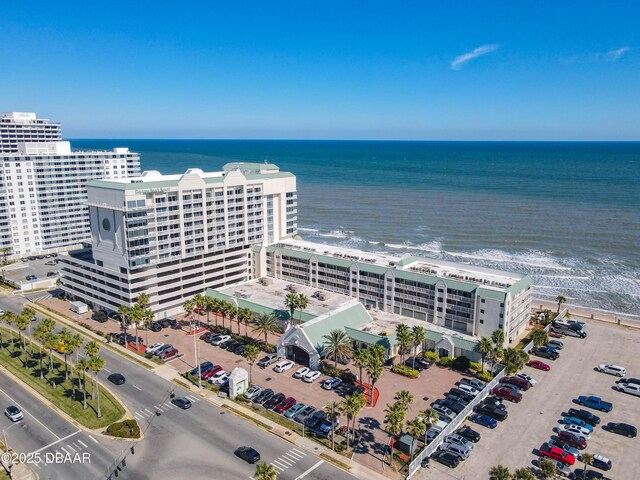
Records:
x=288, y=459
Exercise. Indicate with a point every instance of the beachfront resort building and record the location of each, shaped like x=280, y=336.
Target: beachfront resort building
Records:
x=369, y=294
x=43, y=185
x=172, y=236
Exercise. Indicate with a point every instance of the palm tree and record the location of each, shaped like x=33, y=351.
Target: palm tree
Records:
x=375, y=368
x=72, y=344
x=208, y=307
x=51, y=341
x=232, y=312
x=497, y=337
x=250, y=354
x=83, y=366
x=124, y=311
x=224, y=309
x=514, y=360
x=393, y=421
x=337, y=344
x=547, y=468
x=10, y=318
x=246, y=315
x=495, y=355
x=404, y=398
x=523, y=474
x=350, y=407
x=291, y=302
x=586, y=458
x=40, y=332
x=265, y=472
x=264, y=324
x=143, y=300
x=333, y=412
x=91, y=349
x=484, y=347
x=499, y=472
x=430, y=417
x=215, y=306
x=416, y=428
x=540, y=337
x=303, y=303
x=64, y=337
x=188, y=306
x=360, y=357
x=96, y=363
x=377, y=351
x=560, y=299
x=419, y=336
x=404, y=339
x=5, y=251
x=22, y=323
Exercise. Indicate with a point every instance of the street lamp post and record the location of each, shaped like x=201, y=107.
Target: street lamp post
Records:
x=195, y=352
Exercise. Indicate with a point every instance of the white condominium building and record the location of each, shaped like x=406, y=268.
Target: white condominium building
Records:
x=172, y=236
x=21, y=127
x=474, y=301
x=43, y=186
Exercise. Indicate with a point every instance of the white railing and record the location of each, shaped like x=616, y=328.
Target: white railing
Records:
x=453, y=425
x=527, y=348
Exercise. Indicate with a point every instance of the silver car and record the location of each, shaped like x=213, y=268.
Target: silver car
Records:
x=13, y=413
x=459, y=439
x=456, y=449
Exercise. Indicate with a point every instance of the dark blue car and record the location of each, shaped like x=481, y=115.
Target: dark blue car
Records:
x=484, y=420
x=204, y=366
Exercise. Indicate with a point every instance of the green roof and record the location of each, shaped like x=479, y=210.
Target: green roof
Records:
x=353, y=317
x=520, y=285
x=370, y=338
x=279, y=313
x=492, y=294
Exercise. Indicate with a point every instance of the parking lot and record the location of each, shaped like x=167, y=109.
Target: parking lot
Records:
x=40, y=267
x=532, y=422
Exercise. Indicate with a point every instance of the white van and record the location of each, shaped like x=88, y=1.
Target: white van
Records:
x=469, y=389
x=612, y=370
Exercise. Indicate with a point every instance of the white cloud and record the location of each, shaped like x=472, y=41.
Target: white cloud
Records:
x=461, y=60
x=615, y=55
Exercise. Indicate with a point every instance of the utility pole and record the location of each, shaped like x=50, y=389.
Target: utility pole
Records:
x=195, y=352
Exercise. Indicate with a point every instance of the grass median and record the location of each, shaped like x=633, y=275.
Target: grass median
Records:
x=12, y=357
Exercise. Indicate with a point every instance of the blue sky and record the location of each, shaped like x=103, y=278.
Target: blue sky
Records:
x=329, y=70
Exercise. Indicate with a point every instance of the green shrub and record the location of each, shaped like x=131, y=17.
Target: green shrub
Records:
x=476, y=367
x=461, y=363
x=347, y=376
x=445, y=362
x=406, y=371
x=484, y=376
x=126, y=429
x=431, y=356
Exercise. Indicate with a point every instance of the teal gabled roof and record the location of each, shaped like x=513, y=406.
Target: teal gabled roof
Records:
x=353, y=316
x=520, y=285
x=492, y=294
x=387, y=341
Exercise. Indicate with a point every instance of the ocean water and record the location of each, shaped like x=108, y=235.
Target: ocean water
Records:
x=568, y=214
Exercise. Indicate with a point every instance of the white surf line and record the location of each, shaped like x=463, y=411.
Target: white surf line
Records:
x=136, y=387
x=27, y=412
x=310, y=470
x=58, y=441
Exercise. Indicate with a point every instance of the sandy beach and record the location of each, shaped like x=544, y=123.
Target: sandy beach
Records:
x=590, y=313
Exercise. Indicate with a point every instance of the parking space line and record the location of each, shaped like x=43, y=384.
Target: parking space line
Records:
x=64, y=450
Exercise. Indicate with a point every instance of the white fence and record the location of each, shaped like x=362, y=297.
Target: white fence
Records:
x=453, y=425
x=527, y=348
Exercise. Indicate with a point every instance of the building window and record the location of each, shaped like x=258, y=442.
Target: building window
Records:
x=482, y=322
x=482, y=300
x=481, y=311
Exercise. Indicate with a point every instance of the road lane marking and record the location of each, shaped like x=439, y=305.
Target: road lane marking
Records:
x=82, y=443
x=298, y=452
x=25, y=410
x=63, y=449
x=288, y=463
x=69, y=446
x=282, y=464
x=136, y=387
x=290, y=457
x=58, y=441
x=169, y=405
x=107, y=370
x=310, y=470
x=295, y=455
x=277, y=467
x=149, y=411
x=93, y=439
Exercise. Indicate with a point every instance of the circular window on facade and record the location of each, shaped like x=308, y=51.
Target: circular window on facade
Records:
x=106, y=226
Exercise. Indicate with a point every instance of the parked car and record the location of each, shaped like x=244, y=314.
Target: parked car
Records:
x=459, y=439
x=154, y=347
x=219, y=377
x=444, y=411
x=263, y=396
x=585, y=415
x=171, y=352
x=211, y=337
x=13, y=413
x=239, y=350
x=474, y=382
x=469, y=389
x=283, y=366
x=621, y=429
x=303, y=415
x=521, y=383
x=456, y=391
x=231, y=346
x=563, y=470
x=601, y=462
x=417, y=363
x=527, y=378
x=557, y=344
x=555, y=453
x=451, y=405
x=634, y=381
x=573, y=440
x=483, y=420
x=538, y=365
x=284, y=405
x=116, y=379
x=564, y=446
x=596, y=403
x=545, y=352
x=508, y=393
x=210, y=372
x=301, y=372
x=630, y=388
x=311, y=376
x=181, y=402
x=274, y=400
x=155, y=327
x=100, y=317
x=456, y=449
x=247, y=454
x=611, y=369
x=581, y=432
x=268, y=359
x=582, y=474
x=168, y=322
x=331, y=383
x=220, y=339
x=458, y=399
x=497, y=412
x=578, y=422
x=31, y=278
x=446, y=458
x=294, y=410
x=494, y=400
x=328, y=425
x=469, y=433
x=315, y=420
x=252, y=392
x=204, y=366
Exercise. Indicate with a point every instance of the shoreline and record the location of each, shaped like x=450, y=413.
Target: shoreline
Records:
x=590, y=313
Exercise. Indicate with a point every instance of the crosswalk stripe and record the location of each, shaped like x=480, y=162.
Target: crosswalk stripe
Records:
x=297, y=456
x=160, y=408
x=138, y=416
x=168, y=405
x=195, y=399
x=82, y=443
x=290, y=457
x=298, y=452
x=147, y=410
x=62, y=448
x=69, y=446
x=286, y=462
x=277, y=467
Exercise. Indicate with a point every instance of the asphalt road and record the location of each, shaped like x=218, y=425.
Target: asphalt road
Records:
x=197, y=443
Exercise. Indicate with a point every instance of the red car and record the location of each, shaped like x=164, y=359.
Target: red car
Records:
x=537, y=364
x=169, y=353
x=555, y=335
x=521, y=383
x=573, y=440
x=555, y=453
x=211, y=372
x=285, y=405
x=199, y=310
x=508, y=393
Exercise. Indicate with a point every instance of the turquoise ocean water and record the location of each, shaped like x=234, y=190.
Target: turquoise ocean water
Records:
x=566, y=213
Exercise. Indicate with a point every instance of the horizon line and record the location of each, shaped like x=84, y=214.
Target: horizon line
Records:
x=350, y=140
